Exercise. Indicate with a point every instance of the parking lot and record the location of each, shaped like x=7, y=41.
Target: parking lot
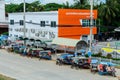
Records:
x=24, y=68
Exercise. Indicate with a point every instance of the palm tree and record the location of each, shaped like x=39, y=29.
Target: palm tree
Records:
x=82, y=4
x=66, y=5
x=35, y=6
x=108, y=11
x=52, y=6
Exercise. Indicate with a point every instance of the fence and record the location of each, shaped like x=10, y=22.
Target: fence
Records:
x=107, y=60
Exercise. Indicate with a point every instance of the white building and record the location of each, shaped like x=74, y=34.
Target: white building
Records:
x=2, y=11
x=3, y=19
x=38, y=25
x=64, y=23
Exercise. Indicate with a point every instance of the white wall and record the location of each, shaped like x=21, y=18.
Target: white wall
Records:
x=2, y=11
x=35, y=17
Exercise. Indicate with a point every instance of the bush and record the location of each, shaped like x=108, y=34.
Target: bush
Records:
x=99, y=54
x=109, y=56
x=86, y=55
x=5, y=33
x=94, y=55
x=116, y=59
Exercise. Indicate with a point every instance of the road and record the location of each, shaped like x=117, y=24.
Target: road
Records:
x=23, y=68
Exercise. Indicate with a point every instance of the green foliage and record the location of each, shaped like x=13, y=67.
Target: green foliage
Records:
x=52, y=6
x=35, y=6
x=11, y=8
x=5, y=33
x=66, y=5
x=86, y=55
x=2, y=79
x=103, y=29
x=109, y=56
x=95, y=55
x=116, y=59
x=108, y=13
x=99, y=54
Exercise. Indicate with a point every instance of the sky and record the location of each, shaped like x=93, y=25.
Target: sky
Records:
x=42, y=1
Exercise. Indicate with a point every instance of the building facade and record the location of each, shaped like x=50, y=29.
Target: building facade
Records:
x=38, y=25
x=66, y=23
x=3, y=25
x=2, y=11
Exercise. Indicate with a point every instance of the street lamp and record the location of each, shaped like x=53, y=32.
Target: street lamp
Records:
x=24, y=31
x=91, y=23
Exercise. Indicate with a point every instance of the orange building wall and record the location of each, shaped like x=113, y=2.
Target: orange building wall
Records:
x=69, y=23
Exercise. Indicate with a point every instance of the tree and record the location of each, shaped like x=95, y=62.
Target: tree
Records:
x=20, y=7
x=107, y=11
x=66, y=5
x=9, y=8
x=35, y=6
x=81, y=4
x=109, y=56
x=52, y=6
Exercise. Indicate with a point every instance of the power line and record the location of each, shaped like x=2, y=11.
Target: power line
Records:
x=63, y=25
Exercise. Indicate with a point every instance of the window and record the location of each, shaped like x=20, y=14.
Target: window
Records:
x=84, y=37
x=10, y=35
x=16, y=35
x=21, y=22
x=53, y=24
x=86, y=22
x=11, y=22
x=42, y=23
x=10, y=29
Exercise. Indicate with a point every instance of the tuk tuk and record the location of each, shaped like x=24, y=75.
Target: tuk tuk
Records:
x=45, y=55
x=64, y=58
x=80, y=62
x=106, y=68
x=94, y=65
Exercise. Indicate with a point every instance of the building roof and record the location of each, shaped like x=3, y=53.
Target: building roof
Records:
x=38, y=13
x=65, y=41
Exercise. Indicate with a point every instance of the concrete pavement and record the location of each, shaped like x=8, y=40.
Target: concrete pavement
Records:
x=23, y=68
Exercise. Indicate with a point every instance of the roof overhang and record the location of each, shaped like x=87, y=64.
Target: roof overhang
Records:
x=65, y=41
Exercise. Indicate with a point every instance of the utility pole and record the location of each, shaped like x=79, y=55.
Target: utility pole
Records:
x=91, y=23
x=24, y=8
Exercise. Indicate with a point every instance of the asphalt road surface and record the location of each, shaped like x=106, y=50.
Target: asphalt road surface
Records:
x=23, y=68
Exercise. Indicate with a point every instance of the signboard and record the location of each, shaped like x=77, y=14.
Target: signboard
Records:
x=71, y=22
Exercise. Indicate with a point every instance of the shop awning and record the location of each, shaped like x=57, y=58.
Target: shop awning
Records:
x=65, y=41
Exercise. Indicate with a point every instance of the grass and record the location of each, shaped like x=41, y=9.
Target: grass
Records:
x=118, y=67
x=2, y=77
